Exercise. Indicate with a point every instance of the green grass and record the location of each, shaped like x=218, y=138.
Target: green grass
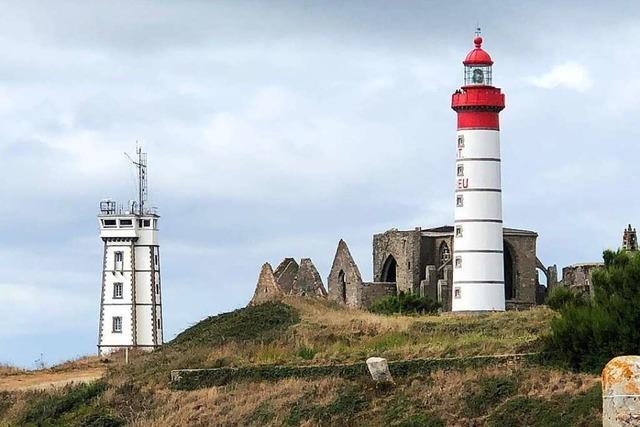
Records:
x=73, y=406
x=489, y=393
x=349, y=402
x=579, y=410
x=262, y=321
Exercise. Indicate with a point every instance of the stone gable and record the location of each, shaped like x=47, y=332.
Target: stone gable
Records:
x=345, y=281
x=308, y=281
x=267, y=288
x=286, y=273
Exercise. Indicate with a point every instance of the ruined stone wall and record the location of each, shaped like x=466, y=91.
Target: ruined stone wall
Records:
x=373, y=291
x=525, y=264
x=577, y=277
x=285, y=274
x=267, y=288
x=345, y=281
x=308, y=282
x=405, y=247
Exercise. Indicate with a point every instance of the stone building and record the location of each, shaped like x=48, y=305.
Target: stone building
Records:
x=630, y=239
x=419, y=261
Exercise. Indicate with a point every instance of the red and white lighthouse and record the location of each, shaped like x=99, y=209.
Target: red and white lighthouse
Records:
x=478, y=273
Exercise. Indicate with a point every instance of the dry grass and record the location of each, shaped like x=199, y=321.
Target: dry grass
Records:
x=330, y=334
x=443, y=393
x=239, y=404
x=6, y=370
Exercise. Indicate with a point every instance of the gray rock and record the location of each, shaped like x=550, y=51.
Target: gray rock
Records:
x=379, y=370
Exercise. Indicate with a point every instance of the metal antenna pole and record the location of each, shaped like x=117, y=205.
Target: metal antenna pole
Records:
x=141, y=164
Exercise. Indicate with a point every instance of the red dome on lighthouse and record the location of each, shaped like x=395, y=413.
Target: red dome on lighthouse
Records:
x=478, y=56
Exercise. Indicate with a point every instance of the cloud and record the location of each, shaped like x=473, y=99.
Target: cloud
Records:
x=569, y=75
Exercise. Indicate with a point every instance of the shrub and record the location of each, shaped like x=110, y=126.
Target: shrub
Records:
x=587, y=336
x=561, y=296
x=404, y=303
x=307, y=353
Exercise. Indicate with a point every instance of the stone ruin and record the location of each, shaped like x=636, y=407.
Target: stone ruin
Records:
x=290, y=278
x=420, y=261
x=578, y=277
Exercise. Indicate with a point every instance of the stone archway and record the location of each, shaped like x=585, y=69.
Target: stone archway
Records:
x=343, y=286
x=509, y=272
x=389, y=270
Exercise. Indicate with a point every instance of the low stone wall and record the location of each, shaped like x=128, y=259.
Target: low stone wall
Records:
x=373, y=291
x=191, y=379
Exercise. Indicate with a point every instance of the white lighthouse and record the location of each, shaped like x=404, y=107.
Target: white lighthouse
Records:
x=478, y=273
x=130, y=302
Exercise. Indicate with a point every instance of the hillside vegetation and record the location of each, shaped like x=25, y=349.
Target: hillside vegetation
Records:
x=305, y=332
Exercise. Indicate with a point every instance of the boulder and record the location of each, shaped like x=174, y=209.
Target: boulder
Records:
x=621, y=392
x=379, y=370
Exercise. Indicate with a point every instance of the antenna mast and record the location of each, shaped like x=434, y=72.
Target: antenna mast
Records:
x=141, y=164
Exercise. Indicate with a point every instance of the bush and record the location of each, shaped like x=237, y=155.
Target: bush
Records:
x=404, y=303
x=561, y=296
x=586, y=337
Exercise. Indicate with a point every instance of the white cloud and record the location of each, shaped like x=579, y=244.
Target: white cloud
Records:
x=569, y=75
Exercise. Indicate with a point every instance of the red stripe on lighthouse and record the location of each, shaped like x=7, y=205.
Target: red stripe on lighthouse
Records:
x=474, y=119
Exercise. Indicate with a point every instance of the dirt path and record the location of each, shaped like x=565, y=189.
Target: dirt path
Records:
x=45, y=380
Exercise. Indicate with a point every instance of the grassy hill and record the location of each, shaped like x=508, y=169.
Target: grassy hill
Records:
x=303, y=332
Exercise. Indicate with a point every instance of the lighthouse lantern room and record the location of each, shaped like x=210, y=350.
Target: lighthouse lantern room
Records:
x=478, y=270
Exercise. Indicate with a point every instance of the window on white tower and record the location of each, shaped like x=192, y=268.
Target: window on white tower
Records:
x=460, y=170
x=460, y=141
x=458, y=262
x=159, y=324
x=459, y=200
x=119, y=261
x=457, y=294
x=157, y=288
x=458, y=231
x=117, y=290
x=117, y=324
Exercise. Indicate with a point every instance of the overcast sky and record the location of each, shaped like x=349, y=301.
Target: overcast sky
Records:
x=276, y=128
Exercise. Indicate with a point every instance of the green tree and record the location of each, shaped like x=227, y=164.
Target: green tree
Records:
x=561, y=296
x=587, y=336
